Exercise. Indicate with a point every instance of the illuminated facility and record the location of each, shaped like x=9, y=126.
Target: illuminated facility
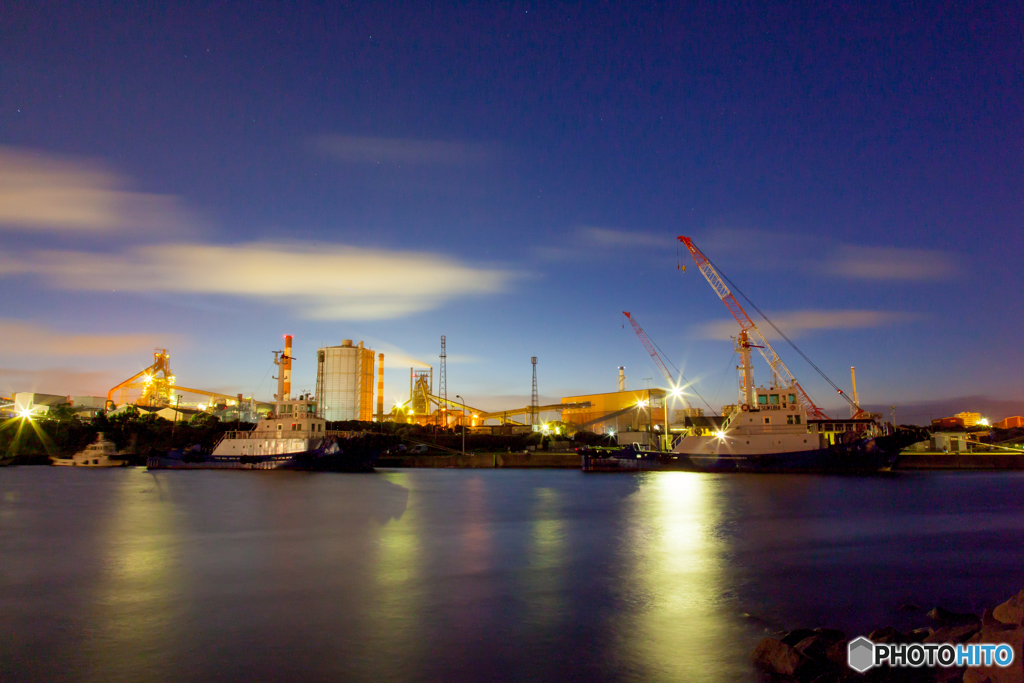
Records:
x=344, y=382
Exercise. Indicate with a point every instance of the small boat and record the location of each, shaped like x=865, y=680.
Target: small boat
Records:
x=100, y=453
x=629, y=458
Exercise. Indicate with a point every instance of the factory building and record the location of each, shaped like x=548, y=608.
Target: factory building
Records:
x=617, y=411
x=1011, y=422
x=27, y=402
x=344, y=382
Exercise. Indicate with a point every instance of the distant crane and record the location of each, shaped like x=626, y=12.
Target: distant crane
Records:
x=654, y=354
x=749, y=331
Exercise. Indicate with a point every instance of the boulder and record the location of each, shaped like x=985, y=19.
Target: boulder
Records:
x=946, y=617
x=885, y=635
x=1011, y=611
x=796, y=635
x=996, y=674
x=952, y=634
x=777, y=657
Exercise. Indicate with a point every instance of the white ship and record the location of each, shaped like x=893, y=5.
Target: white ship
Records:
x=292, y=437
x=100, y=453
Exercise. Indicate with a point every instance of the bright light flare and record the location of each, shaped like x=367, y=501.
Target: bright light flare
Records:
x=720, y=435
x=25, y=413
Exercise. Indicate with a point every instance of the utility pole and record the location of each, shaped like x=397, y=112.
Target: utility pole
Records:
x=534, y=401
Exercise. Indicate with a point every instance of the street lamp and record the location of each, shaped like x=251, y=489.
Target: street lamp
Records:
x=463, y=423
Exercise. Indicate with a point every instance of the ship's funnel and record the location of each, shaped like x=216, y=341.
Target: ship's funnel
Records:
x=286, y=368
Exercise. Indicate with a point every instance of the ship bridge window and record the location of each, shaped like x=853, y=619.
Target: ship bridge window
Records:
x=767, y=420
x=789, y=419
x=773, y=399
x=797, y=418
x=762, y=400
x=792, y=398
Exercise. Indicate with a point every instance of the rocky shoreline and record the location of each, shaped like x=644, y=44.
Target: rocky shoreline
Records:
x=820, y=655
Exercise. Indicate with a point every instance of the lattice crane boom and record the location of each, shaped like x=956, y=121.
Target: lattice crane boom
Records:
x=649, y=345
x=747, y=325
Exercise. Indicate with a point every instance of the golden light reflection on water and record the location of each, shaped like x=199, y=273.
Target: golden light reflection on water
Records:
x=138, y=595
x=396, y=611
x=675, y=574
x=546, y=559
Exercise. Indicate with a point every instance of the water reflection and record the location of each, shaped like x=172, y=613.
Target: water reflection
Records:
x=546, y=558
x=675, y=575
x=137, y=594
x=396, y=611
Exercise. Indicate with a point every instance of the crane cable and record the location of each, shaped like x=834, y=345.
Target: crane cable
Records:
x=780, y=332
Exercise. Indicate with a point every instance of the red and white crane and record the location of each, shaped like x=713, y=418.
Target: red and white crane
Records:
x=749, y=331
x=649, y=345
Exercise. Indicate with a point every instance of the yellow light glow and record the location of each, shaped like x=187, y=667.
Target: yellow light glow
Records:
x=25, y=413
x=676, y=393
x=642, y=403
x=720, y=434
x=983, y=422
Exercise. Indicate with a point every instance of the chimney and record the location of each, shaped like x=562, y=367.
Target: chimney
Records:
x=622, y=378
x=286, y=368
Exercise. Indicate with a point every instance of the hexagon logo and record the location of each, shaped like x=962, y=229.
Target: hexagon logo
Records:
x=860, y=654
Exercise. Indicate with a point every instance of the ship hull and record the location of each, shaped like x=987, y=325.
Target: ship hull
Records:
x=864, y=457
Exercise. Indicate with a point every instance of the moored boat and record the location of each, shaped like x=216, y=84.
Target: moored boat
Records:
x=100, y=453
x=293, y=437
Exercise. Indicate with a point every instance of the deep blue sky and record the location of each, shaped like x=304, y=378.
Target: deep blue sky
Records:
x=512, y=175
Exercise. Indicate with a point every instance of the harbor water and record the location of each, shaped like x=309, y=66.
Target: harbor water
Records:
x=476, y=575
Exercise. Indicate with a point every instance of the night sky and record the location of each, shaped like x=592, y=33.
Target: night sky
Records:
x=207, y=177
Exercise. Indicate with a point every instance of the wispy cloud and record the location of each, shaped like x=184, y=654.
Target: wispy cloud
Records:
x=58, y=381
x=322, y=282
x=888, y=263
x=40, y=192
x=608, y=237
x=406, y=151
x=797, y=323
x=28, y=339
x=591, y=242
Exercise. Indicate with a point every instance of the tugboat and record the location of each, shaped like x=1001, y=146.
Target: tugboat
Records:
x=779, y=429
x=101, y=453
x=769, y=431
x=293, y=437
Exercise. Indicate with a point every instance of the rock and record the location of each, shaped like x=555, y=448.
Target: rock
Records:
x=836, y=653
x=918, y=635
x=952, y=634
x=1011, y=611
x=815, y=647
x=833, y=634
x=996, y=674
x=885, y=635
x=795, y=636
x=909, y=607
x=989, y=621
x=775, y=656
x=946, y=617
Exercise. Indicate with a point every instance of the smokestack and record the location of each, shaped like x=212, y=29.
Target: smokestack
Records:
x=380, y=387
x=622, y=378
x=286, y=368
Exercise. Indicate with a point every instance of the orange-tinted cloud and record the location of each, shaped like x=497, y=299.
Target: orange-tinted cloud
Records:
x=797, y=323
x=27, y=339
x=40, y=192
x=58, y=381
x=321, y=282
